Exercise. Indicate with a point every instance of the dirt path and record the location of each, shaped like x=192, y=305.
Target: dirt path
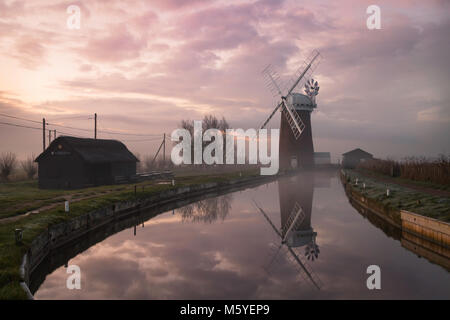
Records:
x=56, y=199
x=430, y=191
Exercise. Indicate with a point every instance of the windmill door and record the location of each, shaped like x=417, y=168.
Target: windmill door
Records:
x=294, y=162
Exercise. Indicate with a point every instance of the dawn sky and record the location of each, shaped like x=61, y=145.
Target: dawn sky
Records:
x=143, y=66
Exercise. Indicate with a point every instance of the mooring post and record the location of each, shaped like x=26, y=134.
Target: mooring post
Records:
x=18, y=233
x=387, y=192
x=173, y=182
x=135, y=190
x=67, y=206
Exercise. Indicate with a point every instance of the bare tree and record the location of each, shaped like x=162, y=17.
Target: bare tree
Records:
x=8, y=163
x=207, y=210
x=139, y=164
x=29, y=166
x=208, y=122
x=151, y=164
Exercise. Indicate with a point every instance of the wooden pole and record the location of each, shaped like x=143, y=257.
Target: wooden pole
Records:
x=95, y=133
x=43, y=133
x=164, y=151
x=49, y=137
x=54, y=134
x=157, y=152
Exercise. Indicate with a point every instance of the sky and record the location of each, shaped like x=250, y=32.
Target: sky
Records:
x=143, y=66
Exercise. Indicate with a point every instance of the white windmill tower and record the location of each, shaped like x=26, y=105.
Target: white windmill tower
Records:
x=296, y=145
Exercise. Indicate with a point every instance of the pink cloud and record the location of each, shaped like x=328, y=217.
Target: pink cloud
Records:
x=211, y=54
x=30, y=52
x=117, y=46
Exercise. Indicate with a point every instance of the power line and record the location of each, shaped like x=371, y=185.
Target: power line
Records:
x=80, y=129
x=18, y=125
x=85, y=117
x=142, y=140
x=108, y=132
x=13, y=117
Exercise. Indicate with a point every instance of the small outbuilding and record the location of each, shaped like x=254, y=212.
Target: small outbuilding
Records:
x=71, y=162
x=352, y=158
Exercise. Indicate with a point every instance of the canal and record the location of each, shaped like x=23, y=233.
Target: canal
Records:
x=230, y=247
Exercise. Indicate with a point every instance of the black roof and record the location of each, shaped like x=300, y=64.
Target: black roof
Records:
x=358, y=153
x=93, y=150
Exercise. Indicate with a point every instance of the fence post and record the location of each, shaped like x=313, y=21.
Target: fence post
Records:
x=18, y=233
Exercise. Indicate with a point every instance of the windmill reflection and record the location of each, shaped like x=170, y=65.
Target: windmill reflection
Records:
x=296, y=195
x=298, y=238
x=208, y=210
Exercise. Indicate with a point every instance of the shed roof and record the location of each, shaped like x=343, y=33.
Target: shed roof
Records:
x=358, y=153
x=93, y=150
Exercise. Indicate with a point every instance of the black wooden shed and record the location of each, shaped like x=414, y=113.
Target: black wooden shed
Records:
x=71, y=162
x=352, y=158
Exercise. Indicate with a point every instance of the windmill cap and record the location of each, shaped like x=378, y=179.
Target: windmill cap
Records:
x=300, y=101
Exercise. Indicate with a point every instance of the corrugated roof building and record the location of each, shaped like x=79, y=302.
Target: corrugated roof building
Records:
x=352, y=158
x=71, y=162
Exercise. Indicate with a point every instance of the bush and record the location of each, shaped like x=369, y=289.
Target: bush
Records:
x=8, y=163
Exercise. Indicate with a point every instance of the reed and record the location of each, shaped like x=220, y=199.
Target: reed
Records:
x=413, y=168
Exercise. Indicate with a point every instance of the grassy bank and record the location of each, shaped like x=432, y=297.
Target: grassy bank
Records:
x=400, y=197
x=35, y=224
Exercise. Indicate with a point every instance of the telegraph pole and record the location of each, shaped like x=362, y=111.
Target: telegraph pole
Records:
x=95, y=134
x=54, y=134
x=43, y=133
x=164, y=150
x=49, y=137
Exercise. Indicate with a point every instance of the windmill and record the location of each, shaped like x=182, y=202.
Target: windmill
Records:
x=296, y=143
x=291, y=254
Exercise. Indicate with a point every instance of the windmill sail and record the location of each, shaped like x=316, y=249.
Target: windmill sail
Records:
x=294, y=220
x=271, y=115
x=295, y=122
x=304, y=268
x=272, y=79
x=305, y=71
x=293, y=119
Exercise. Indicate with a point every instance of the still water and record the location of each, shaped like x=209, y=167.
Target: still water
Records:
x=226, y=248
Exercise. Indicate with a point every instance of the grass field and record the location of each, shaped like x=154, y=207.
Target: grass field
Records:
x=27, y=196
